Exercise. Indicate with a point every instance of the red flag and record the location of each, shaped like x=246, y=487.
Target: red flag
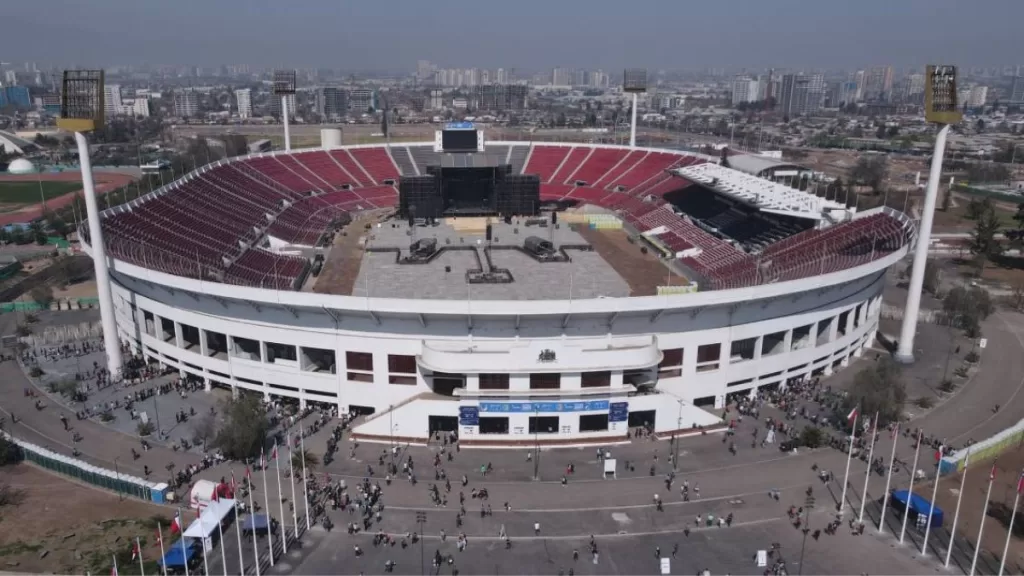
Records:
x=1020, y=484
x=176, y=523
x=234, y=484
x=248, y=474
x=135, y=550
x=895, y=431
x=273, y=453
x=851, y=417
x=992, y=474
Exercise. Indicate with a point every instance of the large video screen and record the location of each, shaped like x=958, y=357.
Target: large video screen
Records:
x=458, y=140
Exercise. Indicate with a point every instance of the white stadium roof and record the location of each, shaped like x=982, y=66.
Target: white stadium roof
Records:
x=763, y=194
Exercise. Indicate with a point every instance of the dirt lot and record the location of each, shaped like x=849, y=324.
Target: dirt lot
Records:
x=63, y=527
x=1008, y=470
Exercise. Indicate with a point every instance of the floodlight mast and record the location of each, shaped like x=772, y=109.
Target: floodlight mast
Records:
x=940, y=108
x=82, y=112
x=634, y=80
x=284, y=86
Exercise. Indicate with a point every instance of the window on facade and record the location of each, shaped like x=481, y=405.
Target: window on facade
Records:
x=741, y=350
x=671, y=365
x=708, y=356
x=494, y=381
x=773, y=343
x=545, y=381
x=360, y=366
x=401, y=369
x=596, y=379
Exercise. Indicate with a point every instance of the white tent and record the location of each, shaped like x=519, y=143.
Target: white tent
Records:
x=209, y=517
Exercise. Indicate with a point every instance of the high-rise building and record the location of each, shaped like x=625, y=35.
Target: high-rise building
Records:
x=500, y=98
x=436, y=99
x=485, y=76
x=10, y=77
x=501, y=76
x=858, y=78
x=978, y=96
x=1017, y=89
x=186, y=103
x=745, y=90
x=112, y=103
x=243, y=99
x=424, y=69
x=599, y=79
x=332, y=102
x=801, y=94
x=360, y=100
x=579, y=77
x=847, y=93
x=560, y=77
x=878, y=84
x=140, y=107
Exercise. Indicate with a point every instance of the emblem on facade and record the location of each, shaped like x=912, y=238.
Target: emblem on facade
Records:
x=546, y=356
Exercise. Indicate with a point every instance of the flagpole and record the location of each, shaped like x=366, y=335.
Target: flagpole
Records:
x=956, y=515
x=280, y=499
x=849, y=456
x=1009, y=533
x=223, y=556
x=114, y=556
x=935, y=494
x=238, y=532
x=888, y=478
x=910, y=491
x=305, y=486
x=163, y=555
x=981, y=525
x=252, y=512
x=291, y=478
x=266, y=503
x=867, y=474
x=138, y=546
x=202, y=541
x=184, y=554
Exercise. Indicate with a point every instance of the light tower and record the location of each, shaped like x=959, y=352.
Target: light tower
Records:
x=634, y=81
x=81, y=111
x=940, y=108
x=284, y=86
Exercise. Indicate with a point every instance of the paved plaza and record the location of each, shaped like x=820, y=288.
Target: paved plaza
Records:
x=619, y=513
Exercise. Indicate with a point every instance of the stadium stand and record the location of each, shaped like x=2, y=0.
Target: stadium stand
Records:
x=600, y=161
x=377, y=163
x=572, y=161
x=545, y=160
x=403, y=158
x=518, y=158
x=347, y=163
x=321, y=164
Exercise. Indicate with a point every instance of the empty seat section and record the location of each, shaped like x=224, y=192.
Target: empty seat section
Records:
x=572, y=162
x=424, y=156
x=653, y=164
x=300, y=170
x=587, y=194
x=379, y=196
x=600, y=161
x=377, y=162
x=279, y=174
x=257, y=267
x=620, y=168
x=323, y=166
x=403, y=160
x=518, y=158
x=545, y=160
x=348, y=164
x=554, y=192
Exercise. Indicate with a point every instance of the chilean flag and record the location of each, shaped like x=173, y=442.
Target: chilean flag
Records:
x=851, y=417
x=135, y=550
x=273, y=453
x=1020, y=484
x=992, y=474
x=176, y=523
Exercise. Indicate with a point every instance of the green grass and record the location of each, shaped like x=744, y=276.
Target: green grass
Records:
x=28, y=192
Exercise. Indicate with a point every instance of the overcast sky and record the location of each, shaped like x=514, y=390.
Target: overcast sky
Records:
x=525, y=34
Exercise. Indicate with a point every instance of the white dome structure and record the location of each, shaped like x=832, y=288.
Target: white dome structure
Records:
x=20, y=166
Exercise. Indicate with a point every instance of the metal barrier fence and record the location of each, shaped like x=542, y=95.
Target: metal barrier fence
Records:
x=985, y=449
x=84, y=472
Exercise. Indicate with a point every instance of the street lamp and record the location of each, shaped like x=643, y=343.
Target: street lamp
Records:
x=117, y=476
x=536, y=443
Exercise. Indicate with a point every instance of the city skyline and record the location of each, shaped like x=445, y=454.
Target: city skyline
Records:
x=391, y=36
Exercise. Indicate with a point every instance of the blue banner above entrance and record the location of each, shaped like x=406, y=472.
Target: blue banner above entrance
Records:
x=527, y=407
x=619, y=412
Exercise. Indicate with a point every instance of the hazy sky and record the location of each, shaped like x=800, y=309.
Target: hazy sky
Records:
x=526, y=34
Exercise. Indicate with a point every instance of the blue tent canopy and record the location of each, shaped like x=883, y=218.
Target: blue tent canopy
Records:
x=917, y=506
x=255, y=522
x=174, y=558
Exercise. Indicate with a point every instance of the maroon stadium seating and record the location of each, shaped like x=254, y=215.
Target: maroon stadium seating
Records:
x=600, y=161
x=544, y=160
x=377, y=163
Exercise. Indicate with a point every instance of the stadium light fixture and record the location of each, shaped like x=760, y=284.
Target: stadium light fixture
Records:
x=284, y=86
x=634, y=81
x=940, y=108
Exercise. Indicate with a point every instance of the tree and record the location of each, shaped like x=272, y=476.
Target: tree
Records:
x=42, y=294
x=880, y=132
x=10, y=453
x=1017, y=297
x=977, y=208
x=244, y=427
x=204, y=429
x=878, y=388
x=967, y=305
x=931, y=275
x=984, y=243
x=812, y=436
x=312, y=461
x=870, y=170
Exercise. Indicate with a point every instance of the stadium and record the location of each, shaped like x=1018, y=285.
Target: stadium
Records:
x=512, y=292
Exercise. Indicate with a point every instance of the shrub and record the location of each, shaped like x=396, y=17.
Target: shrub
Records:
x=947, y=386
x=36, y=372
x=812, y=436
x=925, y=402
x=961, y=372
x=107, y=417
x=972, y=357
x=145, y=428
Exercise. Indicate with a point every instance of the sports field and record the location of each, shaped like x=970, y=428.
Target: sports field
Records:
x=27, y=192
